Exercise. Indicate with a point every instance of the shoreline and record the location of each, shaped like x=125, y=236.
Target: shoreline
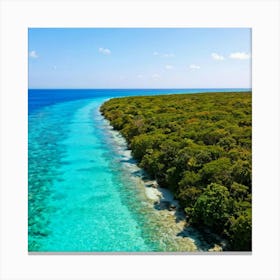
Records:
x=163, y=202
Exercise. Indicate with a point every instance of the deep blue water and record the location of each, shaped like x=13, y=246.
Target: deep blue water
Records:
x=83, y=195
x=43, y=97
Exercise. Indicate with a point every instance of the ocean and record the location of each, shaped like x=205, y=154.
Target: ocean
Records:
x=84, y=194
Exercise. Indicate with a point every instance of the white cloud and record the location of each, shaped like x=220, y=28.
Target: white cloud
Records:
x=217, y=56
x=193, y=66
x=140, y=76
x=33, y=54
x=168, y=55
x=104, y=51
x=155, y=53
x=240, y=55
x=155, y=76
x=169, y=67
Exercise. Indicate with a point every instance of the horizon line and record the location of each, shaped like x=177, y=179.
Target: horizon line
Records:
x=145, y=88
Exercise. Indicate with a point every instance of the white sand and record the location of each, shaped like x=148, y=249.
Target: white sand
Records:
x=153, y=194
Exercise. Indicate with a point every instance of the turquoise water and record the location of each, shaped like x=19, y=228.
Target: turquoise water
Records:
x=81, y=197
x=83, y=194
x=78, y=194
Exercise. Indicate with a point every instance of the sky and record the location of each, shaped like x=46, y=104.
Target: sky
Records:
x=139, y=57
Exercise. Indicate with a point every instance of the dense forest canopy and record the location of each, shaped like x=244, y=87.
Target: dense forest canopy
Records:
x=198, y=146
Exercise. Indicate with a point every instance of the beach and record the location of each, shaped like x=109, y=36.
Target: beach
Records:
x=171, y=217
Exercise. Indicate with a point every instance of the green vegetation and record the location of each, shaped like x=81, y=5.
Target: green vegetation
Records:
x=198, y=146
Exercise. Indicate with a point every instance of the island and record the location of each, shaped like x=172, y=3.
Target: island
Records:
x=199, y=146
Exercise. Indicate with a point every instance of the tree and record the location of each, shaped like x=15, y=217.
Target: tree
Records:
x=188, y=196
x=190, y=179
x=241, y=231
x=239, y=191
x=217, y=171
x=152, y=164
x=242, y=172
x=211, y=207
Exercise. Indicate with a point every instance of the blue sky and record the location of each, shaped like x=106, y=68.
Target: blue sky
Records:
x=139, y=57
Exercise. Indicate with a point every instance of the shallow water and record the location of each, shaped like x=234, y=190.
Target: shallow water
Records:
x=83, y=196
